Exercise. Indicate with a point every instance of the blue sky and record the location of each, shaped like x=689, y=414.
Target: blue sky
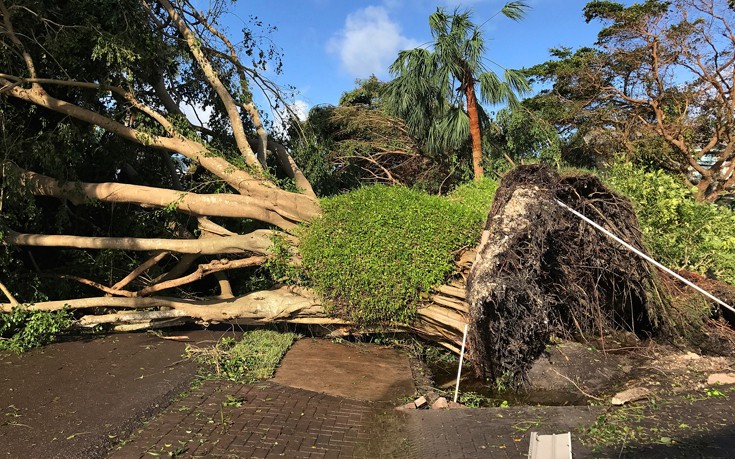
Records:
x=328, y=44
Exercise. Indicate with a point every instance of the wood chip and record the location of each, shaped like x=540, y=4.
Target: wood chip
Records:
x=630, y=395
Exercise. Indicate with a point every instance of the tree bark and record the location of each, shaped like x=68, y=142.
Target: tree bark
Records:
x=258, y=242
x=284, y=211
x=434, y=321
x=475, y=132
x=284, y=304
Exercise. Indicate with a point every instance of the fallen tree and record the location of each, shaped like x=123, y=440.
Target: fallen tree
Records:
x=118, y=202
x=122, y=209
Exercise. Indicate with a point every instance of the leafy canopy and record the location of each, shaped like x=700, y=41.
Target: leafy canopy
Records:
x=655, y=90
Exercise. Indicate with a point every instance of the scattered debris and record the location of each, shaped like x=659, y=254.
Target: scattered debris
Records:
x=440, y=404
x=630, y=395
x=407, y=406
x=431, y=397
x=555, y=446
x=420, y=402
x=431, y=401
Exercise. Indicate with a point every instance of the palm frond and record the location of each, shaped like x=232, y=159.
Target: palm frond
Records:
x=517, y=81
x=449, y=132
x=492, y=89
x=515, y=10
x=474, y=49
x=439, y=23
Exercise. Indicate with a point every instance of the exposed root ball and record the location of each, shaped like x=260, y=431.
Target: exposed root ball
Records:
x=541, y=271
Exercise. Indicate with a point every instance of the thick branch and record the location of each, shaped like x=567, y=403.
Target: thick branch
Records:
x=281, y=304
x=285, y=304
x=11, y=298
x=165, y=97
x=290, y=167
x=279, y=211
x=258, y=242
x=211, y=75
x=145, y=266
x=98, y=286
x=202, y=271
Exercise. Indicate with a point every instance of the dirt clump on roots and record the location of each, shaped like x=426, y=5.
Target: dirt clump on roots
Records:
x=541, y=271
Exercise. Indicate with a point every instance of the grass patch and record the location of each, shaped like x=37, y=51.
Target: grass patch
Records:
x=377, y=250
x=254, y=357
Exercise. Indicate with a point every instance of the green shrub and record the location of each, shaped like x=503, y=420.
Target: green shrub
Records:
x=23, y=329
x=378, y=249
x=252, y=358
x=477, y=196
x=680, y=232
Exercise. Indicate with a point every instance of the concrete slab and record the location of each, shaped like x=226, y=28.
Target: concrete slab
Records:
x=355, y=371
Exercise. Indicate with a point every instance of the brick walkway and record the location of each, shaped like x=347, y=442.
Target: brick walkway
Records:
x=222, y=420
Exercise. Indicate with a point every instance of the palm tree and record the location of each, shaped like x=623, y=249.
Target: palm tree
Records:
x=429, y=85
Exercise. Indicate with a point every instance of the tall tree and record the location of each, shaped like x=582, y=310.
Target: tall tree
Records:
x=658, y=87
x=430, y=84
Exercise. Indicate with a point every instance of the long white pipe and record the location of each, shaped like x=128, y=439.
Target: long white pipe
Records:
x=461, y=359
x=647, y=258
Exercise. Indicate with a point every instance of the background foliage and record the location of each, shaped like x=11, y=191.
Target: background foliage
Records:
x=681, y=232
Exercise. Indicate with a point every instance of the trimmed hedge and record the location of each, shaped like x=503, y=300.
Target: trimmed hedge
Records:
x=378, y=249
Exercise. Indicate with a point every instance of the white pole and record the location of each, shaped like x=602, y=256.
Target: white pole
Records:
x=647, y=258
x=461, y=359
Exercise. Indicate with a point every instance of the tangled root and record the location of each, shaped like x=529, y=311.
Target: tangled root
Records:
x=540, y=270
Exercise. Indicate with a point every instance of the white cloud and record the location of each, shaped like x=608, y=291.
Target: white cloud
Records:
x=369, y=42
x=283, y=118
x=198, y=115
x=300, y=109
